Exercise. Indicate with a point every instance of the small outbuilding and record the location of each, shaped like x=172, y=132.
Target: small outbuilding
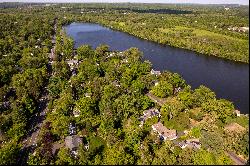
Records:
x=154, y=72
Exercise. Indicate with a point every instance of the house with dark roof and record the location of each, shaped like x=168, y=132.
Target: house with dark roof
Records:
x=164, y=133
x=149, y=114
x=72, y=129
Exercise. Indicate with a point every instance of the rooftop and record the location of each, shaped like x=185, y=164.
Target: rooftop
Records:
x=155, y=72
x=163, y=131
x=73, y=142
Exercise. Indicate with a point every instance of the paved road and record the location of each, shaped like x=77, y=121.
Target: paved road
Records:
x=30, y=142
x=237, y=160
x=37, y=121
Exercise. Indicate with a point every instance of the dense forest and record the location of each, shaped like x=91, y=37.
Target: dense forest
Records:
x=60, y=105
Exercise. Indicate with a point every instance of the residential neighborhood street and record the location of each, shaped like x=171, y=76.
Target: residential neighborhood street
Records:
x=36, y=122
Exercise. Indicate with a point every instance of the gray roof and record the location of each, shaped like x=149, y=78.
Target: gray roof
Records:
x=149, y=113
x=73, y=142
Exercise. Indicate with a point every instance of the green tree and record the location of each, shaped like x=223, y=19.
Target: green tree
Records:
x=9, y=152
x=201, y=95
x=163, y=89
x=85, y=51
x=101, y=50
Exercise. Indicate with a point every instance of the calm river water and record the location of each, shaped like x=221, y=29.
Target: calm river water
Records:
x=229, y=80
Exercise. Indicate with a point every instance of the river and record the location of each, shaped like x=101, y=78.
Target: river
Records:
x=228, y=79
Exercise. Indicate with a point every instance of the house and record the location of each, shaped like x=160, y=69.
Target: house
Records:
x=86, y=146
x=154, y=72
x=177, y=90
x=88, y=94
x=73, y=72
x=53, y=41
x=164, y=133
x=76, y=112
x=124, y=61
x=72, y=63
x=183, y=144
x=72, y=129
x=237, y=112
x=243, y=29
x=73, y=142
x=52, y=55
x=149, y=114
x=156, y=83
x=193, y=143
x=116, y=83
x=234, y=128
x=232, y=28
x=180, y=133
x=111, y=55
x=239, y=29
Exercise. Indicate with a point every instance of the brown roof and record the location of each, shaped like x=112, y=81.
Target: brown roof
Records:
x=165, y=132
x=73, y=142
x=234, y=127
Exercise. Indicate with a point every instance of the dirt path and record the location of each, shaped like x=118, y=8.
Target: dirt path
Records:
x=160, y=101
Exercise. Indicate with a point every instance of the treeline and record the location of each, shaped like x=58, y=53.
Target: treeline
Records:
x=203, y=33
x=200, y=28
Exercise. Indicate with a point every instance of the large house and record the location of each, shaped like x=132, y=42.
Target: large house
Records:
x=164, y=133
x=73, y=142
x=149, y=114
